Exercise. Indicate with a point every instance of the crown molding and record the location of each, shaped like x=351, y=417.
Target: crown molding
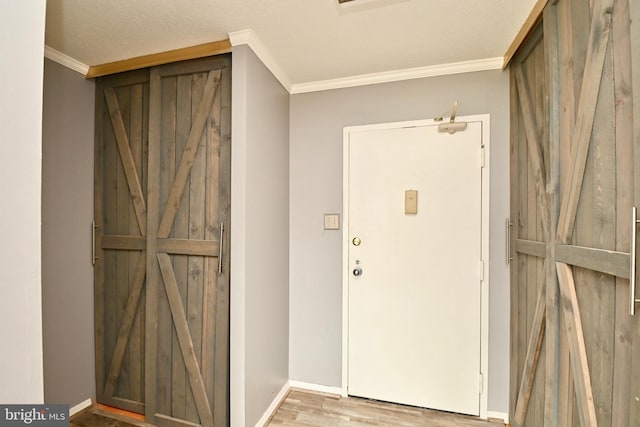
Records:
x=64, y=60
x=399, y=75
x=249, y=38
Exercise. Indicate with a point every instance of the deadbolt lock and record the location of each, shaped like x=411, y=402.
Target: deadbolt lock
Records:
x=357, y=271
x=356, y=241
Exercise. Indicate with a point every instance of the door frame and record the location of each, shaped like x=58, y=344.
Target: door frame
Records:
x=484, y=119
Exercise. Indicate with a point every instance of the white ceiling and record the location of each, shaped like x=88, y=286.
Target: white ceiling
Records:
x=309, y=40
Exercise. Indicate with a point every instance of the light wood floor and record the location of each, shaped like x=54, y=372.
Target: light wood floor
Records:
x=302, y=408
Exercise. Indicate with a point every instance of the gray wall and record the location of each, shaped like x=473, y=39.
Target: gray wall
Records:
x=260, y=235
x=317, y=120
x=67, y=211
x=21, y=56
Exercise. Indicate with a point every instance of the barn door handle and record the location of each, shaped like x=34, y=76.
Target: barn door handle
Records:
x=94, y=227
x=632, y=262
x=220, y=247
x=509, y=225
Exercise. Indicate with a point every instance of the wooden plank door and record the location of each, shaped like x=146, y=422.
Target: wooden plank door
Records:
x=177, y=286
x=120, y=238
x=188, y=219
x=572, y=188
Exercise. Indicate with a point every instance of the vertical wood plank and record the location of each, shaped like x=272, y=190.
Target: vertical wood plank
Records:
x=523, y=227
x=167, y=342
x=514, y=191
x=98, y=270
x=151, y=324
x=568, y=87
x=180, y=87
x=534, y=172
x=195, y=280
x=145, y=181
x=110, y=227
x=123, y=206
x=136, y=340
x=552, y=318
x=538, y=90
x=212, y=223
x=221, y=363
x=634, y=12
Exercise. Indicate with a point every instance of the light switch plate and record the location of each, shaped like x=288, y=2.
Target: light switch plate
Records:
x=332, y=221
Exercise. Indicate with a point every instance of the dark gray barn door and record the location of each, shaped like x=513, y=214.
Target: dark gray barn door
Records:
x=162, y=214
x=574, y=344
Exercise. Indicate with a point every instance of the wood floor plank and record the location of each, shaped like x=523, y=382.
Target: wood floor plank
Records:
x=304, y=408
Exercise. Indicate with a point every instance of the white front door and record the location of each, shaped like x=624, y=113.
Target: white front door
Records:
x=414, y=287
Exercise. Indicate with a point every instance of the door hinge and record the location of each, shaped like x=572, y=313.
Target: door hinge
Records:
x=482, y=159
x=481, y=383
x=481, y=270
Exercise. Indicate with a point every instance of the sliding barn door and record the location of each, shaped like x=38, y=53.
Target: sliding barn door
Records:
x=162, y=218
x=575, y=346
x=121, y=178
x=188, y=210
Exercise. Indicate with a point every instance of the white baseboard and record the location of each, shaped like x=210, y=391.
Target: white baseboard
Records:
x=79, y=407
x=315, y=387
x=499, y=416
x=274, y=405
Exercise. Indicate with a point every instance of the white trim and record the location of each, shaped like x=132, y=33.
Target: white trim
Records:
x=80, y=406
x=498, y=416
x=346, y=134
x=484, y=315
x=249, y=38
x=315, y=387
x=65, y=60
x=275, y=404
x=484, y=297
x=398, y=75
